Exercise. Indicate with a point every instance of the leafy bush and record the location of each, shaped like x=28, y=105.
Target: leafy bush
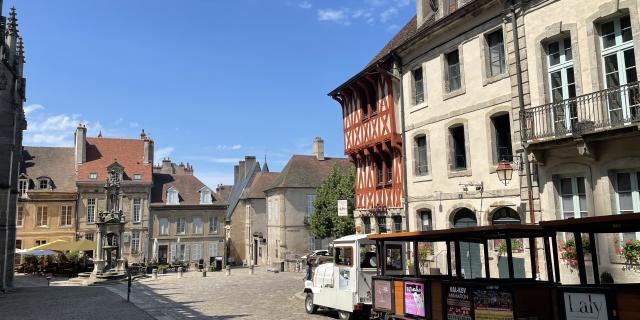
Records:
x=630, y=251
x=516, y=245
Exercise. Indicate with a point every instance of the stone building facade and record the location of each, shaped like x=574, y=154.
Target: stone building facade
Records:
x=46, y=197
x=290, y=205
x=187, y=217
x=12, y=123
x=134, y=158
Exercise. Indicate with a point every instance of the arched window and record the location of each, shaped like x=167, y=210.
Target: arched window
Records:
x=505, y=215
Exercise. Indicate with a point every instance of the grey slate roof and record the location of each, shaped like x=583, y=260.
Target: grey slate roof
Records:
x=53, y=162
x=187, y=185
x=307, y=171
x=239, y=188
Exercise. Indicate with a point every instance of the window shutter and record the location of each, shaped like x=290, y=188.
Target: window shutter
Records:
x=416, y=157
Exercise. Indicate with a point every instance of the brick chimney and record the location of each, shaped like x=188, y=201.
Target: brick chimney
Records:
x=318, y=148
x=81, y=144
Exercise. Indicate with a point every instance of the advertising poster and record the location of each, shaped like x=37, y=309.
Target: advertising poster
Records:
x=493, y=305
x=382, y=295
x=585, y=306
x=414, y=296
x=458, y=303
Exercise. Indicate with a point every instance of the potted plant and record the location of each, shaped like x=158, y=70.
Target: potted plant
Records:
x=569, y=253
x=630, y=251
x=516, y=245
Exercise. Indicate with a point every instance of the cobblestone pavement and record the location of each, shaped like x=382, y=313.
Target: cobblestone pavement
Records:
x=263, y=295
x=32, y=299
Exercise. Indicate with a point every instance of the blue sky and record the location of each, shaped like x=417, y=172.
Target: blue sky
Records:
x=209, y=80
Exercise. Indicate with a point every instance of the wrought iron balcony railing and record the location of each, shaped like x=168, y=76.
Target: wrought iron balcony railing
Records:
x=598, y=111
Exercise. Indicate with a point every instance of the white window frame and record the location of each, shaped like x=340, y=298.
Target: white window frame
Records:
x=181, y=226
x=563, y=66
x=173, y=197
x=135, y=241
x=635, y=194
x=196, y=251
x=23, y=187
x=137, y=176
x=93, y=175
x=213, y=224
x=91, y=210
x=66, y=212
x=197, y=225
x=42, y=218
x=578, y=211
x=213, y=249
x=163, y=226
x=205, y=196
x=618, y=49
x=20, y=217
x=136, y=210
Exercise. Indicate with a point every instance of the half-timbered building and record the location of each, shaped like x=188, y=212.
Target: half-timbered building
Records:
x=372, y=140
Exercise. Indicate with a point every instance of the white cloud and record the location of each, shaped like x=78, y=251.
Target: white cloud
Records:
x=32, y=107
x=236, y=147
x=227, y=147
x=119, y=121
x=388, y=14
x=334, y=15
x=304, y=5
x=134, y=124
x=162, y=153
x=52, y=140
x=213, y=178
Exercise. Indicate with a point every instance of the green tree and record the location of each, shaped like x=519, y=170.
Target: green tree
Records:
x=325, y=222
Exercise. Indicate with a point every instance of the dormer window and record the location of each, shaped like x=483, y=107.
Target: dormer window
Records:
x=44, y=183
x=93, y=176
x=23, y=186
x=137, y=176
x=205, y=196
x=172, y=196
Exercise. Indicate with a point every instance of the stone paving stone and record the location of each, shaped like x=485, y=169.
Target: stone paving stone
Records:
x=264, y=295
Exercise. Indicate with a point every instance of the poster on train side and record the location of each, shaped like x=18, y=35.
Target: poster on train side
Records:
x=492, y=304
x=459, y=303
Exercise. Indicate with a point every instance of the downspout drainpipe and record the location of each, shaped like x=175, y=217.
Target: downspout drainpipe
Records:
x=404, y=143
x=527, y=166
x=6, y=227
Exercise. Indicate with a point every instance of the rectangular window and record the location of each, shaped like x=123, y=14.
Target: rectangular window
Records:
x=367, y=225
x=137, y=209
x=379, y=171
x=66, y=215
x=135, y=241
x=213, y=224
x=213, y=249
x=197, y=225
x=418, y=86
x=573, y=197
x=137, y=176
x=93, y=176
x=397, y=224
x=20, y=216
x=619, y=66
x=454, y=81
x=495, y=44
x=196, y=251
x=88, y=236
x=343, y=256
x=394, y=257
x=164, y=226
x=382, y=225
x=205, y=197
x=388, y=162
x=18, y=244
x=91, y=210
x=40, y=242
x=181, y=226
x=41, y=216
x=459, y=147
x=427, y=224
x=502, y=132
x=562, y=85
x=23, y=186
x=44, y=184
x=420, y=155
x=628, y=197
x=310, y=210
x=311, y=244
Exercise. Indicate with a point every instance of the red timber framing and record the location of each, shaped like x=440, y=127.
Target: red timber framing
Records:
x=371, y=140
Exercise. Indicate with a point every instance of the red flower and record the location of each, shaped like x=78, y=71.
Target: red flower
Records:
x=629, y=242
x=618, y=250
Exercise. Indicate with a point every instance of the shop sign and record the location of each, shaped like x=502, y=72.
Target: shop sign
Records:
x=414, y=298
x=343, y=208
x=459, y=303
x=382, y=295
x=585, y=306
x=493, y=305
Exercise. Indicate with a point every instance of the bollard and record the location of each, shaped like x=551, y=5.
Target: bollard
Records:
x=251, y=269
x=204, y=273
x=227, y=271
x=180, y=273
x=154, y=274
x=49, y=276
x=128, y=285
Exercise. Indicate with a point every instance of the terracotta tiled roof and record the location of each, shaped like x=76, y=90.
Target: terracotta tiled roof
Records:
x=307, y=171
x=102, y=152
x=260, y=182
x=403, y=35
x=55, y=163
x=224, y=191
x=187, y=186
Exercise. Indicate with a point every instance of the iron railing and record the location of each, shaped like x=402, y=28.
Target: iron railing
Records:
x=598, y=111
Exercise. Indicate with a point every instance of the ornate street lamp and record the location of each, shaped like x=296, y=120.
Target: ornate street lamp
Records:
x=504, y=171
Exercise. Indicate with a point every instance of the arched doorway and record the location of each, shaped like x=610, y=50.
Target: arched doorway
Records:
x=469, y=252
x=506, y=215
